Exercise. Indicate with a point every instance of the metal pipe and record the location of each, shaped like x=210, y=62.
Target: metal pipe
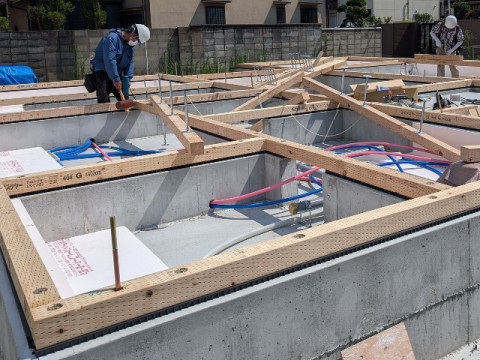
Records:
x=344, y=68
x=259, y=101
x=171, y=97
x=160, y=86
x=116, y=264
x=366, y=76
x=424, y=100
x=185, y=104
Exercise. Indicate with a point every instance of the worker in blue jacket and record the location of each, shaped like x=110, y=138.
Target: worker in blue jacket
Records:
x=114, y=57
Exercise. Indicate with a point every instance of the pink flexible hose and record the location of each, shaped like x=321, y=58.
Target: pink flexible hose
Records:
x=100, y=150
x=373, y=143
x=413, y=157
x=308, y=172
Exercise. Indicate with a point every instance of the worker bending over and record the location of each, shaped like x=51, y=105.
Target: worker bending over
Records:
x=114, y=57
x=448, y=37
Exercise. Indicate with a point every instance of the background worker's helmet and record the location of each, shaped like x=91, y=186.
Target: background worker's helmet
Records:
x=142, y=31
x=450, y=21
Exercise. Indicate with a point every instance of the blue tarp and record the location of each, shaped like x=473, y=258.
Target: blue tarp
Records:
x=13, y=75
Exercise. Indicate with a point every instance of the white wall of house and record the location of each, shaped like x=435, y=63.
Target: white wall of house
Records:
x=175, y=13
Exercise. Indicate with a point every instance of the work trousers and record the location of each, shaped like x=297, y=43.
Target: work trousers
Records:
x=441, y=68
x=105, y=87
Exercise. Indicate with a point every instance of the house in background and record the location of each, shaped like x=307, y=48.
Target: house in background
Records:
x=173, y=13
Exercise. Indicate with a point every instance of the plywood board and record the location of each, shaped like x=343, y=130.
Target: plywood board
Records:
x=391, y=344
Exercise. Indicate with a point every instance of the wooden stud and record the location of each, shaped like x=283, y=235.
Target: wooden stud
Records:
x=192, y=142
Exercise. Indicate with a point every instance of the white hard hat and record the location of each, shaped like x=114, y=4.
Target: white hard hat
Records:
x=450, y=21
x=143, y=33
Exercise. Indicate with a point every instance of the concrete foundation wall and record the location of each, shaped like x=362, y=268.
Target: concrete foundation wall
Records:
x=76, y=130
x=331, y=125
x=429, y=279
x=148, y=200
x=343, y=198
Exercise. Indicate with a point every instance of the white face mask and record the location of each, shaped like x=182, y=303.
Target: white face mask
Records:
x=132, y=43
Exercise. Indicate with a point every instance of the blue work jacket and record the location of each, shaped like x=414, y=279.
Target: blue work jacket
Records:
x=114, y=56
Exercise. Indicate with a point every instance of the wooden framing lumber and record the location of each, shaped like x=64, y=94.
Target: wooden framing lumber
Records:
x=75, y=175
x=470, y=153
x=29, y=275
x=409, y=132
x=58, y=112
x=376, y=61
x=384, y=76
x=69, y=318
x=439, y=59
x=284, y=110
x=400, y=183
x=326, y=67
x=226, y=95
x=454, y=84
x=83, y=95
x=300, y=98
x=434, y=117
x=295, y=78
x=192, y=142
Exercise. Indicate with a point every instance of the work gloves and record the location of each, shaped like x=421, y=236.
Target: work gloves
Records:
x=438, y=43
x=449, y=52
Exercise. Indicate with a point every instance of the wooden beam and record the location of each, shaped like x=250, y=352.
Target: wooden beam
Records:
x=27, y=270
x=83, y=95
x=284, y=110
x=57, y=112
x=83, y=314
x=384, y=76
x=300, y=98
x=434, y=117
x=382, y=178
x=399, y=127
x=268, y=94
x=258, y=126
x=326, y=67
x=461, y=110
x=445, y=85
x=225, y=95
x=470, y=153
x=439, y=59
x=192, y=142
x=85, y=174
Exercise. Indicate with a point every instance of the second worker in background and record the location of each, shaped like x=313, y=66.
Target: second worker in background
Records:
x=114, y=57
x=448, y=37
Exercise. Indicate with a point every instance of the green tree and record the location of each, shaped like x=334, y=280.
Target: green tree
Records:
x=460, y=9
x=95, y=16
x=50, y=14
x=4, y=24
x=424, y=18
x=356, y=13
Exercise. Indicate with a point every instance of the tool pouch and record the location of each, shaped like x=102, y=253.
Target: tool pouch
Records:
x=90, y=83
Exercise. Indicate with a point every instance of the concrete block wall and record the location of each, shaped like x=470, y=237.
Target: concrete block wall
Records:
x=352, y=41
x=64, y=55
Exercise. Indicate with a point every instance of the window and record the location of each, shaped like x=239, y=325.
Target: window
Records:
x=215, y=15
x=308, y=15
x=281, y=15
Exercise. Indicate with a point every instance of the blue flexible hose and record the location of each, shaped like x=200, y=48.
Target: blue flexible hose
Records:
x=273, y=202
x=425, y=164
x=369, y=147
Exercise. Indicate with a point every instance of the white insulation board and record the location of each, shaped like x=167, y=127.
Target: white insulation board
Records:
x=84, y=264
x=26, y=161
